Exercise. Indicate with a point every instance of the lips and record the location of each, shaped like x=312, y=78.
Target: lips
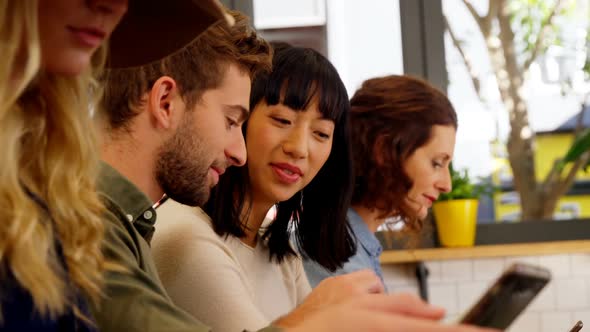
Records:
x=216, y=173
x=88, y=36
x=430, y=199
x=286, y=173
x=217, y=169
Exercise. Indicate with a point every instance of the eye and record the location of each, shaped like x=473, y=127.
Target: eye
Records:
x=280, y=120
x=437, y=164
x=322, y=135
x=231, y=123
x=323, y=129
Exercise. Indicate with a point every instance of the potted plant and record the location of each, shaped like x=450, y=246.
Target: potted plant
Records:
x=455, y=212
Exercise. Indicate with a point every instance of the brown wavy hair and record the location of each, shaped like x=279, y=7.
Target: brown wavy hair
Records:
x=391, y=117
x=198, y=67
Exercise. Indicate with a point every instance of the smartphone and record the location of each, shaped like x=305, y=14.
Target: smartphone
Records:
x=508, y=296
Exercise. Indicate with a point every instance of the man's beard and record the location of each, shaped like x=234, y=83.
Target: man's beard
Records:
x=182, y=167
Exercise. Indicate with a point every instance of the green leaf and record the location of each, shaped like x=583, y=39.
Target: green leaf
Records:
x=463, y=188
x=579, y=146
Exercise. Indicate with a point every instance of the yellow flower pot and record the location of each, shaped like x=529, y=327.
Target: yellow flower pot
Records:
x=456, y=221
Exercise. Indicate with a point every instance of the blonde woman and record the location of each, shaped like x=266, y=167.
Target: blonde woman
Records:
x=50, y=226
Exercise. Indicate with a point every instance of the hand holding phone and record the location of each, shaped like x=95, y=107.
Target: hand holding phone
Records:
x=508, y=296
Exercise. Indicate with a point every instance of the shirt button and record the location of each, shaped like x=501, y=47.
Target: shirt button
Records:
x=148, y=214
x=129, y=217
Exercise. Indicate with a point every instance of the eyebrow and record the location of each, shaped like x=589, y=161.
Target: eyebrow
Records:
x=244, y=112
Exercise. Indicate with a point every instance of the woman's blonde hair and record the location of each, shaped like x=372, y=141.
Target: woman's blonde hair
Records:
x=48, y=139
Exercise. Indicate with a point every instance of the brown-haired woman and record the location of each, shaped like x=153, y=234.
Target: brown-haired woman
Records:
x=403, y=136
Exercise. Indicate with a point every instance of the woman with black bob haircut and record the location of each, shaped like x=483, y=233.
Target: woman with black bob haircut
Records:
x=301, y=79
x=298, y=161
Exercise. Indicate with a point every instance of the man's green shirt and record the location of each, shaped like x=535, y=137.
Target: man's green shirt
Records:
x=134, y=298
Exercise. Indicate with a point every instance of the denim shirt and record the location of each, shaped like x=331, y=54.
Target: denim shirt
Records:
x=366, y=257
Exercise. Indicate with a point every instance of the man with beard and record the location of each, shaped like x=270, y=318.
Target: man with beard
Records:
x=172, y=126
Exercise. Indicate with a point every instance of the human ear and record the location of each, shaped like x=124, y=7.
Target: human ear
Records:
x=163, y=103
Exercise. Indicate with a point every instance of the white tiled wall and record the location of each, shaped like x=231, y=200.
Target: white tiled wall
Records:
x=457, y=284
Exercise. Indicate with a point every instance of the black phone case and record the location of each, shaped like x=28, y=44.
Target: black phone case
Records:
x=508, y=296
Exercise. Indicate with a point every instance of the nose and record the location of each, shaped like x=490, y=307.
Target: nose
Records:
x=236, y=150
x=108, y=7
x=445, y=183
x=295, y=144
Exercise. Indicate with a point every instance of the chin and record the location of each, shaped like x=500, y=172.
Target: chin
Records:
x=282, y=197
x=422, y=214
x=68, y=70
x=70, y=64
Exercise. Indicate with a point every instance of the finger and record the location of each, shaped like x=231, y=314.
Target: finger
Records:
x=419, y=325
x=397, y=323
x=375, y=287
x=402, y=304
x=366, y=279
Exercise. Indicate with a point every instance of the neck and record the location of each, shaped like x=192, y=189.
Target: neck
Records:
x=370, y=217
x=253, y=219
x=135, y=162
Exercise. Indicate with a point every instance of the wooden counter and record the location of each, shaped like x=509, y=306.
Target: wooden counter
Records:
x=500, y=250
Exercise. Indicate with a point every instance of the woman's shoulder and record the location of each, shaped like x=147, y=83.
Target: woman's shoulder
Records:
x=186, y=229
x=183, y=227
x=291, y=264
x=174, y=216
